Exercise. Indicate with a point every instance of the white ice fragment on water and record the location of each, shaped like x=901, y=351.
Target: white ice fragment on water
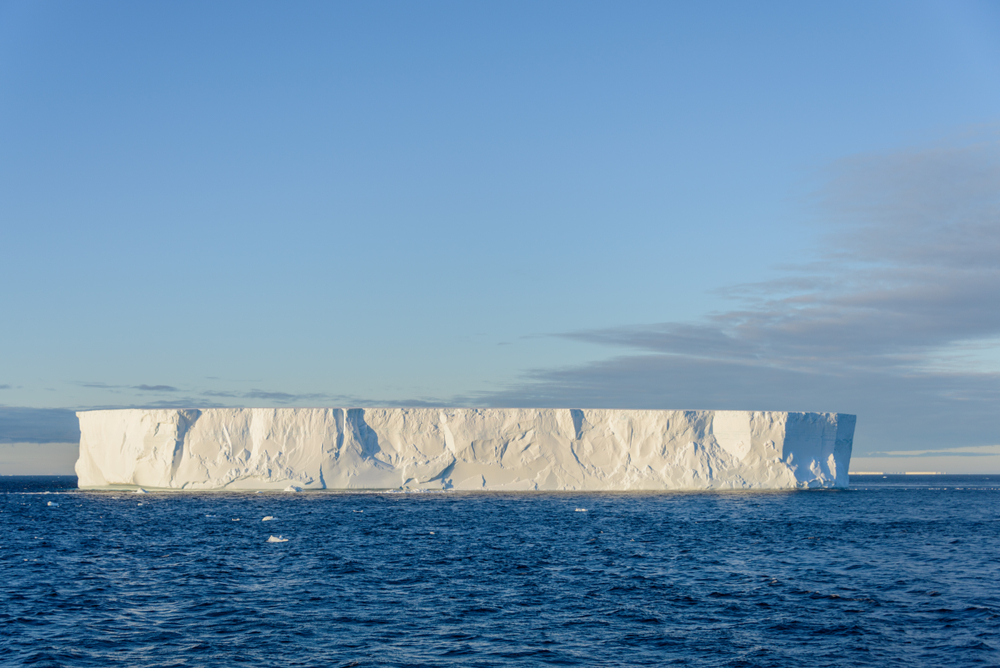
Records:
x=236, y=519
x=53, y=504
x=279, y=539
x=267, y=518
x=139, y=504
x=293, y=488
x=581, y=510
x=140, y=491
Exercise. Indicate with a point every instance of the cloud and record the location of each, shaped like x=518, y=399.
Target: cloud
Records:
x=38, y=425
x=279, y=397
x=910, y=262
x=177, y=402
x=406, y=403
x=4, y=387
x=909, y=266
x=343, y=400
x=141, y=388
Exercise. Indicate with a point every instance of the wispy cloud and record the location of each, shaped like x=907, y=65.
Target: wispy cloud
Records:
x=982, y=451
x=278, y=397
x=282, y=397
x=176, y=402
x=38, y=425
x=140, y=388
x=909, y=265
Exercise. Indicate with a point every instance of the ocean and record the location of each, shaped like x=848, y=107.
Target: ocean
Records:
x=894, y=571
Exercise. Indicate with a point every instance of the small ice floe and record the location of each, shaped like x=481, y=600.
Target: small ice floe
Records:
x=140, y=491
x=139, y=504
x=581, y=510
x=278, y=539
x=267, y=519
x=236, y=519
x=357, y=511
x=211, y=515
x=293, y=488
x=53, y=504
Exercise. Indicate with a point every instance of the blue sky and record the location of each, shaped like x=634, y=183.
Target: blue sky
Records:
x=701, y=205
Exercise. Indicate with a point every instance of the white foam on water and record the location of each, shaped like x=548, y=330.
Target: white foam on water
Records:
x=38, y=493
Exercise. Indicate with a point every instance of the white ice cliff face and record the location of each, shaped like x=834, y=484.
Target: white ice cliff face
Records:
x=462, y=449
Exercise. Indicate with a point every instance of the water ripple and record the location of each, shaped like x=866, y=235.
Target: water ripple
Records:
x=893, y=572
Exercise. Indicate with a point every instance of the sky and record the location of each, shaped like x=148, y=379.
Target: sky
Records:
x=766, y=206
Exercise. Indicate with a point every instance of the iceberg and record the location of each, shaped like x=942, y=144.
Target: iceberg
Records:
x=462, y=449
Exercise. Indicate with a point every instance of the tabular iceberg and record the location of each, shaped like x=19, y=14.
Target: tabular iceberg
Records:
x=462, y=449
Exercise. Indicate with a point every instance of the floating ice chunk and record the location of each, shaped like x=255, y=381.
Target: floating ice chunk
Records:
x=236, y=519
x=293, y=488
x=279, y=539
x=53, y=504
x=140, y=491
x=581, y=510
x=267, y=518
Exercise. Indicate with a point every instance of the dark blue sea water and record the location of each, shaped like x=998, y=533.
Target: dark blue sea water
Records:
x=895, y=571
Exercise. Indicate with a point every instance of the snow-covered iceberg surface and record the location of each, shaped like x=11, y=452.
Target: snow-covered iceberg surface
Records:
x=462, y=448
